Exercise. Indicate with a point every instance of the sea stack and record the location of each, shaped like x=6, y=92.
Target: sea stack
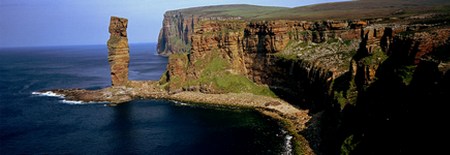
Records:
x=118, y=51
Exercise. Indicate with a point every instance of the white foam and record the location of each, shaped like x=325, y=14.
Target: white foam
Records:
x=48, y=93
x=81, y=102
x=287, y=144
x=52, y=94
x=72, y=102
x=180, y=103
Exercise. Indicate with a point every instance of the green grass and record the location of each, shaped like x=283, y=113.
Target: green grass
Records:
x=244, y=11
x=176, y=41
x=237, y=83
x=333, y=52
x=347, y=42
x=349, y=145
x=361, y=9
x=287, y=57
x=345, y=91
x=214, y=72
x=376, y=58
x=341, y=99
x=406, y=73
x=174, y=81
x=163, y=79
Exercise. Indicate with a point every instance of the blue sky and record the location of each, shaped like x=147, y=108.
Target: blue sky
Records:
x=81, y=22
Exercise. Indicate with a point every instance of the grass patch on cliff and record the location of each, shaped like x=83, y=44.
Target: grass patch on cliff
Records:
x=349, y=145
x=173, y=79
x=176, y=41
x=286, y=57
x=238, y=83
x=344, y=90
x=376, y=58
x=333, y=53
x=217, y=73
x=406, y=73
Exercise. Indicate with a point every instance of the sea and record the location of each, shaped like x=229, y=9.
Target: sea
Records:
x=32, y=123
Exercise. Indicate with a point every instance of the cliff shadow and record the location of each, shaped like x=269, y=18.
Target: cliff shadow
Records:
x=390, y=114
x=294, y=82
x=387, y=115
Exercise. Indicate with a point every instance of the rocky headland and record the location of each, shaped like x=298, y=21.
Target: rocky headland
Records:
x=340, y=83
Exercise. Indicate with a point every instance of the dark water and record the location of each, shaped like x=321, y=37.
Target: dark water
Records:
x=33, y=124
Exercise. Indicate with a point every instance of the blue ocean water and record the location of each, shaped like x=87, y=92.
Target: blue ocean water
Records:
x=31, y=124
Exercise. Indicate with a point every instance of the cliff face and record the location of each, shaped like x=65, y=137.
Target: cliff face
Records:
x=118, y=51
x=260, y=51
x=177, y=30
x=340, y=70
x=407, y=88
x=175, y=33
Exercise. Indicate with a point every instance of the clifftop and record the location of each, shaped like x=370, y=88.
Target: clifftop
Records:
x=179, y=25
x=238, y=10
x=360, y=9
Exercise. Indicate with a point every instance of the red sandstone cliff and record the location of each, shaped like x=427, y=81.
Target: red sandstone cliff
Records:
x=332, y=67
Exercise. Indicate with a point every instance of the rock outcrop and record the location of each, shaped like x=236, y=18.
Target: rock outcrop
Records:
x=118, y=51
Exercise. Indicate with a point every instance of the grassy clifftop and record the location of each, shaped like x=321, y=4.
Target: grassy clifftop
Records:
x=339, y=10
x=237, y=10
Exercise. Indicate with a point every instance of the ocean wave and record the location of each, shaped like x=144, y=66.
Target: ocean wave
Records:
x=72, y=102
x=48, y=93
x=287, y=143
x=180, y=103
x=81, y=102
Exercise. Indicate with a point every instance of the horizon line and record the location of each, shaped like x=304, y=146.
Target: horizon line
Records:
x=65, y=45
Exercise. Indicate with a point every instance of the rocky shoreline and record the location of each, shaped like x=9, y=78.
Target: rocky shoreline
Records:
x=292, y=119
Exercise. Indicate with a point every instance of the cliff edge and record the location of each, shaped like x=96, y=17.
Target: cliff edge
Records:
x=361, y=74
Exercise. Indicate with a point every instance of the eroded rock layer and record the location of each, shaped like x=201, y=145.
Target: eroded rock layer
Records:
x=118, y=51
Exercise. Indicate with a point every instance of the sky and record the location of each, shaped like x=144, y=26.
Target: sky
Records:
x=25, y=23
